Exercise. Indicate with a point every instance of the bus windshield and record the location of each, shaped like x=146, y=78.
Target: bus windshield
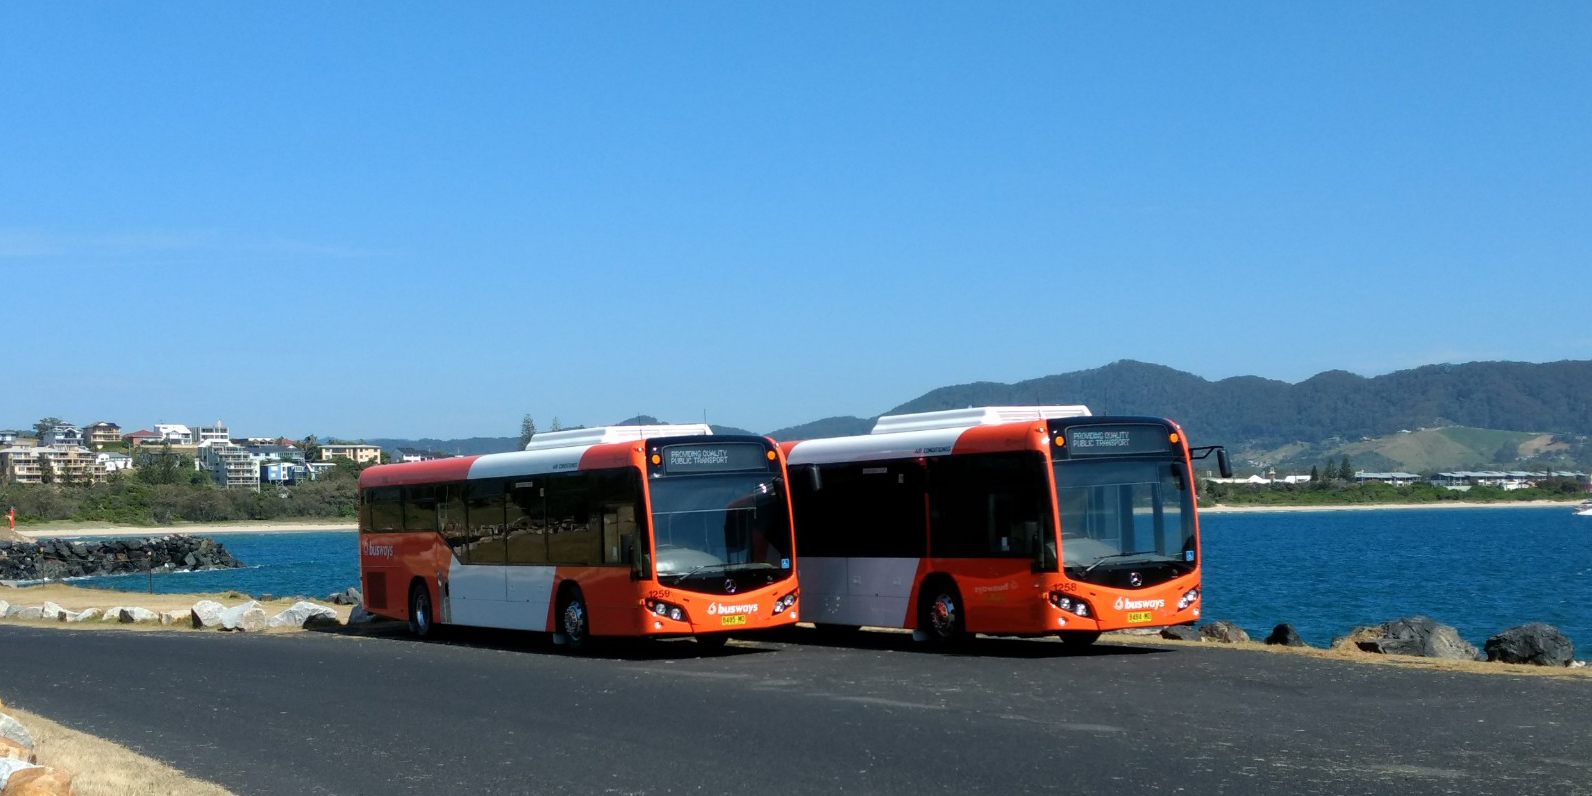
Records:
x=718, y=529
x=1124, y=515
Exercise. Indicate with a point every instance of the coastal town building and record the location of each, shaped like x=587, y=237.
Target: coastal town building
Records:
x=136, y=438
x=175, y=433
x=1393, y=479
x=418, y=455
x=8, y=437
x=46, y=464
x=359, y=453
x=62, y=435
x=215, y=433
x=103, y=433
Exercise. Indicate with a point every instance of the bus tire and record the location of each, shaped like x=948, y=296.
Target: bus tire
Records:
x=574, y=621
x=941, y=615
x=420, y=616
x=713, y=640
x=1078, y=639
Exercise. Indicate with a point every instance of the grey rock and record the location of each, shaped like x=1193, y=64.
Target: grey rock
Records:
x=1223, y=631
x=206, y=614
x=82, y=616
x=131, y=615
x=26, y=612
x=9, y=767
x=1535, y=643
x=12, y=729
x=1181, y=633
x=169, y=618
x=1284, y=635
x=249, y=616
x=359, y=616
x=304, y=614
x=5, y=609
x=52, y=611
x=1420, y=636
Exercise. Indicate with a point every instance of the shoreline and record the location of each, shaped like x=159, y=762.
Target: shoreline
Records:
x=1447, y=504
x=74, y=530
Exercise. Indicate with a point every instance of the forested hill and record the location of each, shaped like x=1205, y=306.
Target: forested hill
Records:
x=1512, y=396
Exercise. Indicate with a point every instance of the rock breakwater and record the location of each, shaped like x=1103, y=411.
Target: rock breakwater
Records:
x=53, y=559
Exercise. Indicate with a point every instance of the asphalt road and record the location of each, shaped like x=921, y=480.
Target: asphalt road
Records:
x=495, y=713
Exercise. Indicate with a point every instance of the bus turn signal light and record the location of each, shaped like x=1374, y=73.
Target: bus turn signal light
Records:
x=769, y=454
x=657, y=459
x=1172, y=437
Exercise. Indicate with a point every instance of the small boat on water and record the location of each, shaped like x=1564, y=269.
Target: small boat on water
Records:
x=1584, y=509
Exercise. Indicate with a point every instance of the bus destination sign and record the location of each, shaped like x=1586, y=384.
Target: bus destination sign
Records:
x=1116, y=440
x=724, y=457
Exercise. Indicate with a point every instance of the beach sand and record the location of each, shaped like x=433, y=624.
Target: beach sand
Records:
x=70, y=529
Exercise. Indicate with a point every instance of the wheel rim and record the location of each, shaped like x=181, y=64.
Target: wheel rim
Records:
x=422, y=612
x=575, y=621
x=942, y=615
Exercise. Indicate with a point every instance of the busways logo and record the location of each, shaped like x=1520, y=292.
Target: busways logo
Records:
x=381, y=550
x=714, y=609
x=1123, y=604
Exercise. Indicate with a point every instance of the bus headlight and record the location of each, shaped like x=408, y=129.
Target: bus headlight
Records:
x=668, y=610
x=783, y=604
x=1076, y=606
x=1188, y=598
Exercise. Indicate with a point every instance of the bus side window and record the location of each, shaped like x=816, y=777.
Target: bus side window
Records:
x=526, y=522
x=572, y=538
x=617, y=494
x=484, y=523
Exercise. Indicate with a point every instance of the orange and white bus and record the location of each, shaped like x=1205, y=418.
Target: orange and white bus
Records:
x=1019, y=521
x=664, y=530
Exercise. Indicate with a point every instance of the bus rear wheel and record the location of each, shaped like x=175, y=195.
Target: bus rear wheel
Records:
x=574, y=623
x=940, y=614
x=420, y=610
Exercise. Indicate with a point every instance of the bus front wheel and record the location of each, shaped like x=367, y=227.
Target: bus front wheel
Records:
x=420, y=610
x=1078, y=639
x=941, y=614
x=574, y=624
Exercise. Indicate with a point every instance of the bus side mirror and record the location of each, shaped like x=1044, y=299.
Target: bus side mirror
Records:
x=1222, y=465
x=813, y=478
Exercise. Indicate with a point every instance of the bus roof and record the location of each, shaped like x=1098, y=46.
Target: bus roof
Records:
x=604, y=434
x=974, y=416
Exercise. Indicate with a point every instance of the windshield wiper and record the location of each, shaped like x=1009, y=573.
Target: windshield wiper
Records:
x=694, y=570
x=1103, y=559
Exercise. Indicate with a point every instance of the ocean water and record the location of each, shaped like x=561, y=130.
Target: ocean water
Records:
x=280, y=564
x=1324, y=572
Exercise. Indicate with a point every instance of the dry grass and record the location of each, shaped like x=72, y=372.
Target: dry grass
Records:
x=76, y=598
x=101, y=768
x=1358, y=656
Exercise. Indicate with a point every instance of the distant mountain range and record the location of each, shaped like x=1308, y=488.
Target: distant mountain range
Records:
x=1324, y=413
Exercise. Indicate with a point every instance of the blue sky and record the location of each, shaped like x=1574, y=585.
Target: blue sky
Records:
x=395, y=219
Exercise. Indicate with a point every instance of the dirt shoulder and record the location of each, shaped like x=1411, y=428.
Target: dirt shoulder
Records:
x=101, y=768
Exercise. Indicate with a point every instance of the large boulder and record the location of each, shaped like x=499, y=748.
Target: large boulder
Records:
x=1535, y=643
x=131, y=615
x=249, y=616
x=10, y=768
x=38, y=781
x=12, y=730
x=305, y=614
x=1224, y=631
x=207, y=614
x=360, y=616
x=1181, y=633
x=11, y=750
x=1420, y=636
x=1283, y=635
x=112, y=614
x=25, y=612
x=5, y=609
x=81, y=616
x=169, y=618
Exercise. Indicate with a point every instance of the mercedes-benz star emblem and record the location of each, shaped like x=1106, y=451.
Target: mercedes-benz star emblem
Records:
x=729, y=587
x=1134, y=580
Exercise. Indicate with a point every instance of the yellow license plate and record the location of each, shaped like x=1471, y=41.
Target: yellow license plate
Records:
x=733, y=619
x=1139, y=617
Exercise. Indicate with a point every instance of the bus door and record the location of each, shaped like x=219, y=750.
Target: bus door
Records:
x=989, y=518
